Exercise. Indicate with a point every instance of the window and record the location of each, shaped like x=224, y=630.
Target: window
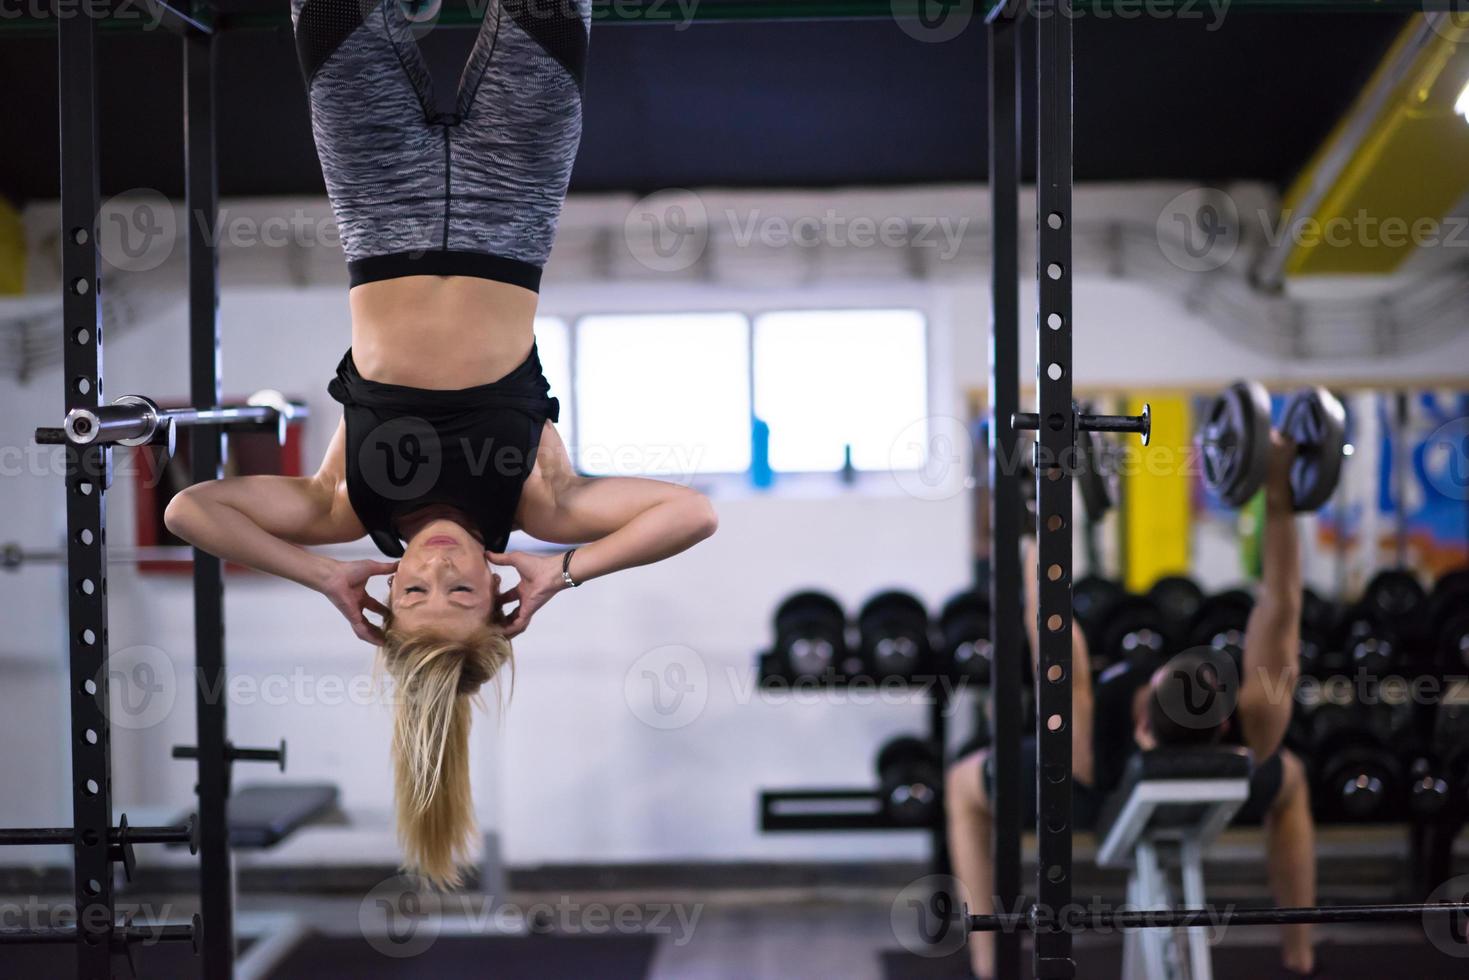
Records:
x=663, y=394
x=828, y=379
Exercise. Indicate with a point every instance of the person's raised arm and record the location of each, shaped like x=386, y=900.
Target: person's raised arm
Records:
x=620, y=523
x=1272, y=637
x=263, y=522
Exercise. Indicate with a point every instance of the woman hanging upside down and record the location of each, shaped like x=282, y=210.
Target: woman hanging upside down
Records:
x=446, y=442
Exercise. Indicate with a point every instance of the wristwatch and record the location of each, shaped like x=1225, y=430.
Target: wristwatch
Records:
x=566, y=570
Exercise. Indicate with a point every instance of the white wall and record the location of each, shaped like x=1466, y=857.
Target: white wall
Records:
x=574, y=772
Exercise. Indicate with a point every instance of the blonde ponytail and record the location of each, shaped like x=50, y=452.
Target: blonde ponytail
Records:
x=435, y=680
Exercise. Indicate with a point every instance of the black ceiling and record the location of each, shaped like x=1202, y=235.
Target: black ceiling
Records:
x=794, y=104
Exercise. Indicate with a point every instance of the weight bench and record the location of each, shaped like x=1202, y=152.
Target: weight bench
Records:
x=1170, y=805
x=262, y=816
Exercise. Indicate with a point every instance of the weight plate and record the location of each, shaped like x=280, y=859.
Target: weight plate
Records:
x=1234, y=442
x=1315, y=420
x=1449, y=598
x=1396, y=596
x=1133, y=630
x=1178, y=597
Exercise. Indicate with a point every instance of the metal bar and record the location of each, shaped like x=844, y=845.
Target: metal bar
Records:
x=682, y=12
x=824, y=810
x=135, y=420
x=224, y=416
x=216, y=891
x=63, y=835
x=938, y=733
x=1141, y=425
x=1004, y=480
x=1056, y=442
x=171, y=18
x=86, y=487
x=176, y=933
x=1078, y=919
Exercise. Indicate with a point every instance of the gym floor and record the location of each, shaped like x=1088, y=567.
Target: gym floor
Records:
x=754, y=936
x=793, y=928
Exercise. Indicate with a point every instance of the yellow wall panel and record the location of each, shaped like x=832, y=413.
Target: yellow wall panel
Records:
x=1157, y=486
x=12, y=251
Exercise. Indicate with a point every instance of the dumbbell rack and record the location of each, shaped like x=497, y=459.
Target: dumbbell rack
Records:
x=849, y=809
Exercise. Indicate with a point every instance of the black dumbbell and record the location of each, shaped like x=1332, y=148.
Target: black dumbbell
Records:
x=1428, y=788
x=1366, y=642
x=1221, y=621
x=893, y=626
x=1451, y=645
x=1359, y=777
x=964, y=624
x=1133, y=630
x=909, y=776
x=1178, y=598
x=1396, y=598
x=1448, y=622
x=1318, y=616
x=810, y=637
x=1451, y=746
x=1091, y=597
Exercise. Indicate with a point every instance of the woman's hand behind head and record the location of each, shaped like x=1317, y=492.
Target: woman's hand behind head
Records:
x=345, y=585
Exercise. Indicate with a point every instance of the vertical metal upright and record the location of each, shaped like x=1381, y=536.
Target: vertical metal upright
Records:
x=1056, y=442
x=938, y=732
x=1006, y=629
x=201, y=195
x=87, y=479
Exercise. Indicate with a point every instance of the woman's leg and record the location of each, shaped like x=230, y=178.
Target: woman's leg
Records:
x=971, y=837
x=519, y=128
x=382, y=155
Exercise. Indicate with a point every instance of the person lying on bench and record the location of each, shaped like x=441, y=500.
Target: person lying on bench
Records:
x=1279, y=794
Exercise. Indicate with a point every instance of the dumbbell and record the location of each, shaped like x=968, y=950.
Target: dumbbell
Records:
x=1133, y=630
x=1366, y=643
x=1448, y=622
x=1397, y=599
x=893, y=627
x=1091, y=597
x=1428, y=788
x=1359, y=777
x=1178, y=599
x=1318, y=616
x=810, y=637
x=964, y=624
x=1220, y=623
x=1234, y=443
x=909, y=774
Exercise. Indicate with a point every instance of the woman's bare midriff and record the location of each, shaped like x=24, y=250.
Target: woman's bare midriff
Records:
x=440, y=332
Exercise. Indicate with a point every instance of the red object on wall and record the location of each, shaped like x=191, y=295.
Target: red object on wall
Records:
x=157, y=477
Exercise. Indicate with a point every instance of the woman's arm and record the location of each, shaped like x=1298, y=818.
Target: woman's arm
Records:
x=621, y=522
x=262, y=522
x=1272, y=637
